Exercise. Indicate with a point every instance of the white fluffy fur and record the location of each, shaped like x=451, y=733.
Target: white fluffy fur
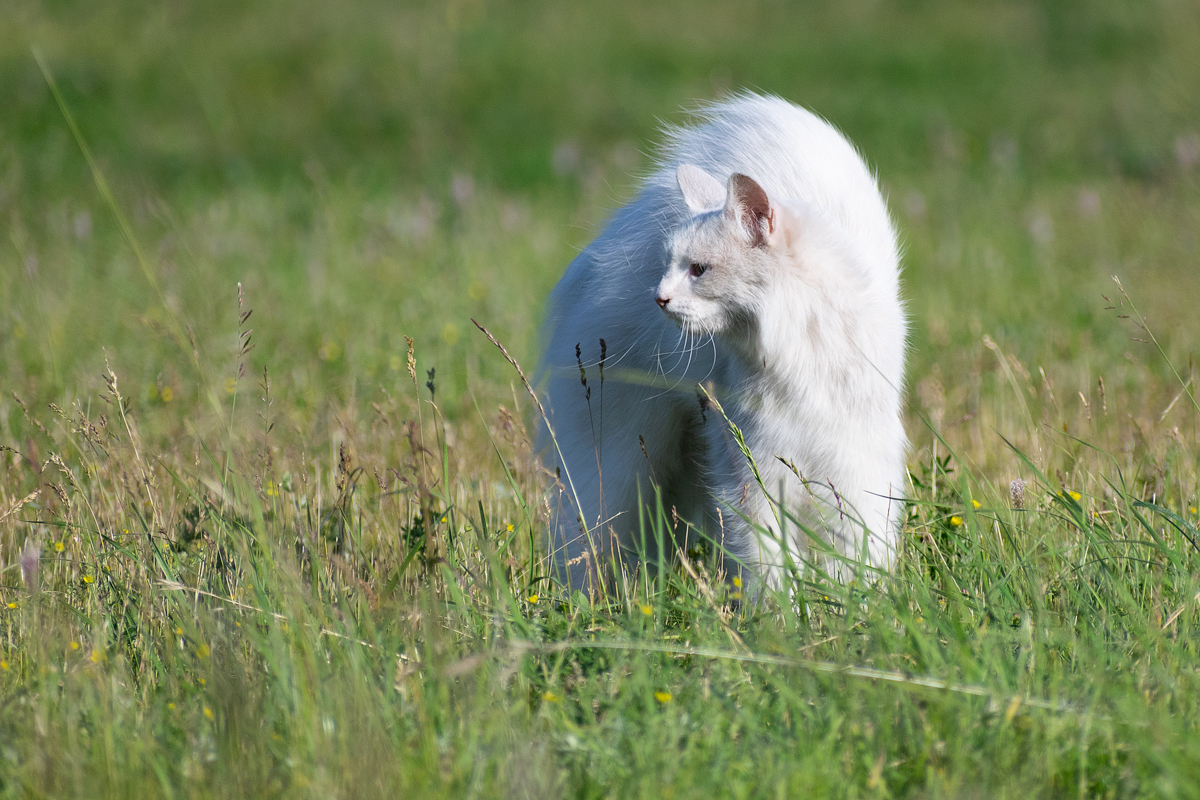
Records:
x=796, y=324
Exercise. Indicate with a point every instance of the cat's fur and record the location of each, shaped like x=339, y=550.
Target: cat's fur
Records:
x=794, y=322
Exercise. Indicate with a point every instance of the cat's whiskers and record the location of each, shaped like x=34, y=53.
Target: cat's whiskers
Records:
x=680, y=350
x=658, y=357
x=691, y=352
x=614, y=362
x=686, y=334
x=712, y=340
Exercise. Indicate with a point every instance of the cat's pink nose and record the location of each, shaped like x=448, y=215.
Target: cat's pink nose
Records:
x=662, y=301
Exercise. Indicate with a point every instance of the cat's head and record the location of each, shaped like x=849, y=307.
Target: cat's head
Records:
x=720, y=263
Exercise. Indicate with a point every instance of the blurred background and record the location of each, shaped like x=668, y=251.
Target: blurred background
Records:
x=369, y=170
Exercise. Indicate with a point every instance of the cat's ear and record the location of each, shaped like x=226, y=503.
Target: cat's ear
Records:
x=701, y=191
x=749, y=206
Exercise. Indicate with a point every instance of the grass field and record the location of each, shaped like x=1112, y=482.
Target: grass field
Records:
x=255, y=542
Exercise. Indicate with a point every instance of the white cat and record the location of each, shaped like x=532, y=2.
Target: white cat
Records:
x=759, y=260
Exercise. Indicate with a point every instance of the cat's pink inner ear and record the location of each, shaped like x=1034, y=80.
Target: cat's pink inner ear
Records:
x=701, y=191
x=750, y=206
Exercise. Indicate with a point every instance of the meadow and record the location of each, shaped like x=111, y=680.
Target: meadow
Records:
x=271, y=523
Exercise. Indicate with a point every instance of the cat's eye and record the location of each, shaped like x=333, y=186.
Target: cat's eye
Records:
x=698, y=269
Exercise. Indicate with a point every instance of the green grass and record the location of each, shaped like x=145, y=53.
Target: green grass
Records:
x=293, y=569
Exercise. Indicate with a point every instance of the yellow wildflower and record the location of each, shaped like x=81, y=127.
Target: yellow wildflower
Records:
x=208, y=713
x=509, y=527
x=956, y=521
x=59, y=547
x=551, y=697
x=88, y=579
x=329, y=351
x=647, y=610
x=74, y=645
x=533, y=598
x=167, y=395
x=975, y=504
x=663, y=697
x=1074, y=495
